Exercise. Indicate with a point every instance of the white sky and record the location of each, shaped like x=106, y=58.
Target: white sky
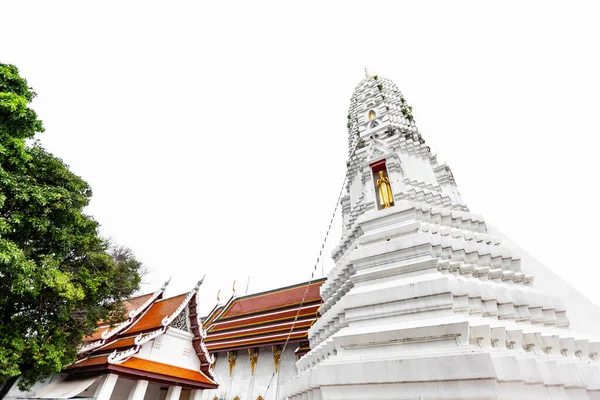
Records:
x=213, y=134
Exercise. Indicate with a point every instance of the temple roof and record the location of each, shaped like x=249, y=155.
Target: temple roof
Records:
x=136, y=366
x=264, y=319
x=152, y=318
x=117, y=348
x=261, y=319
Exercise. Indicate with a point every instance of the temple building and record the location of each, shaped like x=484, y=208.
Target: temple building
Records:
x=426, y=300
x=257, y=339
x=244, y=348
x=156, y=353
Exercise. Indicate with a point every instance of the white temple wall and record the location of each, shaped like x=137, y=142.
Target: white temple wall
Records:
x=174, y=348
x=369, y=187
x=355, y=190
x=452, y=192
x=246, y=386
x=429, y=170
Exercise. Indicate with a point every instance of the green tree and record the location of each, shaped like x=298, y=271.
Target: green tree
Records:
x=58, y=277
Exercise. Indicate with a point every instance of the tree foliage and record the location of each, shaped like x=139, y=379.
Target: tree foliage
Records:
x=58, y=277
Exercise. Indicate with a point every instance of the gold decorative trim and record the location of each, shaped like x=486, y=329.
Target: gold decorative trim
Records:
x=277, y=349
x=231, y=356
x=253, y=354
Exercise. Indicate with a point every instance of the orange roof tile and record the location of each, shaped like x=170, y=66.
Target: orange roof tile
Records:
x=130, y=304
x=96, y=334
x=115, y=344
x=135, y=302
x=90, y=361
x=141, y=364
x=153, y=317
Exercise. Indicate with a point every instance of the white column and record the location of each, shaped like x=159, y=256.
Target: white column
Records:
x=105, y=389
x=173, y=393
x=138, y=390
x=196, y=394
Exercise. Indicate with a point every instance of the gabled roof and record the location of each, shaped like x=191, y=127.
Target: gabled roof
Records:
x=150, y=316
x=135, y=307
x=152, y=319
x=264, y=319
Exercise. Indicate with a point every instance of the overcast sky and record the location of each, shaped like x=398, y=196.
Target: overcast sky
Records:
x=213, y=133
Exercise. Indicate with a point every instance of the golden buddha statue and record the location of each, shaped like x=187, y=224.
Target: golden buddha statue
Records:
x=386, y=199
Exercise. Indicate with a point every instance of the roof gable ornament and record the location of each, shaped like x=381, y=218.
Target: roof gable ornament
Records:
x=141, y=339
x=118, y=357
x=169, y=318
x=377, y=150
x=109, y=333
x=134, y=313
x=91, y=346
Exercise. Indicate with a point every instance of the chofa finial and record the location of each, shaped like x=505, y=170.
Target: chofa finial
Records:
x=199, y=283
x=164, y=286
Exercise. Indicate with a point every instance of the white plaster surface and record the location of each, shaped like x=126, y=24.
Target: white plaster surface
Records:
x=246, y=386
x=425, y=300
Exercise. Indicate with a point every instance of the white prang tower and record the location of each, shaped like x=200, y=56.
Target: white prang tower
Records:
x=426, y=301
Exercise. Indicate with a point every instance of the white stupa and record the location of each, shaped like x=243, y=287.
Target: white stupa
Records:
x=427, y=301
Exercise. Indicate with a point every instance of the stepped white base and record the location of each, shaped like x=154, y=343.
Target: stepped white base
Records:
x=428, y=307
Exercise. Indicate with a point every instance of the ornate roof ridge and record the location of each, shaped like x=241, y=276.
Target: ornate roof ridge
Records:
x=279, y=289
x=132, y=317
x=118, y=357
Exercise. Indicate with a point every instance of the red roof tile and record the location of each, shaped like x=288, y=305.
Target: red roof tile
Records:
x=280, y=315
x=273, y=300
x=262, y=330
x=265, y=318
x=242, y=343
